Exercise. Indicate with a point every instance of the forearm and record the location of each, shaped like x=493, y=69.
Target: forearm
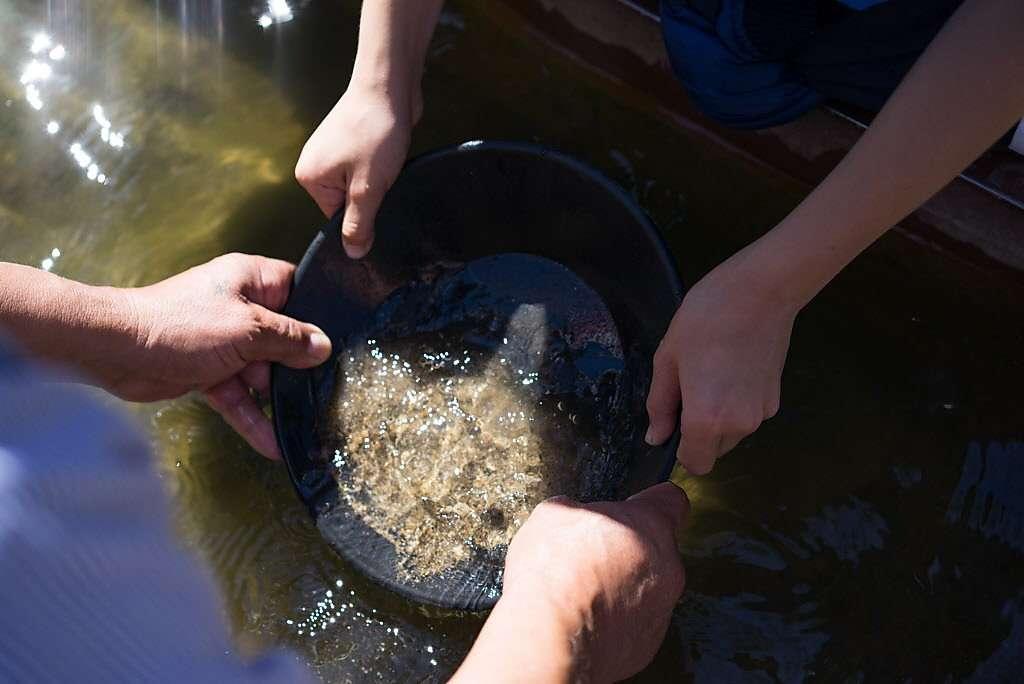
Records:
x=963, y=93
x=523, y=642
x=63, y=321
x=393, y=40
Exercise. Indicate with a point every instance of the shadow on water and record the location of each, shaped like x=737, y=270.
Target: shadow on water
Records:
x=874, y=530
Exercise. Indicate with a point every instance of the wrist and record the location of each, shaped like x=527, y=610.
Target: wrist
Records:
x=398, y=86
x=790, y=264
x=527, y=638
x=795, y=260
x=759, y=277
x=92, y=329
x=111, y=338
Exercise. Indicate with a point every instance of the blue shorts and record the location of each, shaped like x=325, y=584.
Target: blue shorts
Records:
x=761, y=63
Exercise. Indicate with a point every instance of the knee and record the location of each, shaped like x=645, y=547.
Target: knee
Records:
x=730, y=87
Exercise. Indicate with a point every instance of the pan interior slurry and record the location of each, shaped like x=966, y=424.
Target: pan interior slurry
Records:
x=550, y=331
x=532, y=201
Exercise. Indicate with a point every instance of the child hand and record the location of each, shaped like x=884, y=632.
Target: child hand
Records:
x=353, y=157
x=721, y=360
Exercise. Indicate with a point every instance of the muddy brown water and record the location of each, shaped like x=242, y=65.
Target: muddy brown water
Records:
x=873, y=531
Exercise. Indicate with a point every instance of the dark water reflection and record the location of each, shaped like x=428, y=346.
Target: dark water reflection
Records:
x=873, y=531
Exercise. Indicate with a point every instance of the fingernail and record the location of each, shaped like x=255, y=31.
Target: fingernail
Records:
x=649, y=437
x=355, y=251
x=319, y=345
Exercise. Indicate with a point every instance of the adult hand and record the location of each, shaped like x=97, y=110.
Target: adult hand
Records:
x=722, y=360
x=588, y=591
x=354, y=157
x=214, y=329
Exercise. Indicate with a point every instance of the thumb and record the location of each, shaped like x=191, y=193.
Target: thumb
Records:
x=664, y=500
x=364, y=200
x=286, y=340
x=662, y=401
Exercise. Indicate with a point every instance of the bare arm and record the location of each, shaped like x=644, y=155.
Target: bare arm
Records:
x=393, y=40
x=62, y=321
x=965, y=91
x=356, y=153
x=723, y=355
x=588, y=593
x=525, y=639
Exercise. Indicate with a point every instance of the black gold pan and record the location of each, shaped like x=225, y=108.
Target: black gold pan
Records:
x=527, y=225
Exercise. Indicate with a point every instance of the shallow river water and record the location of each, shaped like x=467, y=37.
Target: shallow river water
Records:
x=873, y=531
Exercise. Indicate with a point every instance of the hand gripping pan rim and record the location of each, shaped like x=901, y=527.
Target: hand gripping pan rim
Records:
x=556, y=180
